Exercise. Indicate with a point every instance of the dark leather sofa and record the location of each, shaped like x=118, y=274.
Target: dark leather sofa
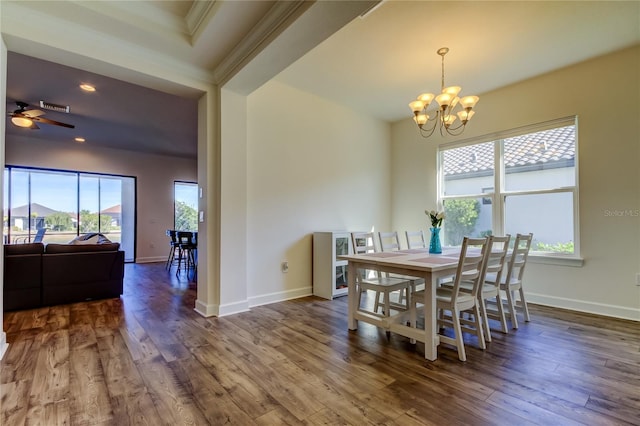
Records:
x=36, y=275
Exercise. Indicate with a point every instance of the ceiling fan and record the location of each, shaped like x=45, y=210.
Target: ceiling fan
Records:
x=23, y=117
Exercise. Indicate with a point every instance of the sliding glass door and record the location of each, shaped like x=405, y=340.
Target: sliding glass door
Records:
x=67, y=204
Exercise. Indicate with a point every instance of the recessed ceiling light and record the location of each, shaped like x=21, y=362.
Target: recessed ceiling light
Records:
x=79, y=139
x=87, y=87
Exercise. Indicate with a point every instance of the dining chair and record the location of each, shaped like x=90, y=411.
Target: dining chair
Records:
x=381, y=284
x=389, y=241
x=415, y=239
x=472, y=269
x=512, y=280
x=490, y=291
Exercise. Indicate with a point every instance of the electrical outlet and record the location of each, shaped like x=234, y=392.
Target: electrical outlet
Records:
x=284, y=267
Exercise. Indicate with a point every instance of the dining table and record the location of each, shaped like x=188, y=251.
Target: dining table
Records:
x=417, y=263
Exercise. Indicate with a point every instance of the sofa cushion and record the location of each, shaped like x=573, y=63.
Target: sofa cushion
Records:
x=19, y=249
x=53, y=248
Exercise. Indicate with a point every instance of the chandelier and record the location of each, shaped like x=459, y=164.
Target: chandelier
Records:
x=445, y=116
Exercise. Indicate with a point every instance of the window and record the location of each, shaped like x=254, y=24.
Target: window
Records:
x=67, y=204
x=519, y=182
x=185, y=206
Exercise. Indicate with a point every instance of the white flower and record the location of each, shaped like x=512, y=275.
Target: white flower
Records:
x=436, y=218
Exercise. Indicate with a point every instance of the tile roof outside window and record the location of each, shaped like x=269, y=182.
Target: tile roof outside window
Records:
x=541, y=148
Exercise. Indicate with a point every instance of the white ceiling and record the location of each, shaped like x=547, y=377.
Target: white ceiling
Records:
x=379, y=64
x=375, y=64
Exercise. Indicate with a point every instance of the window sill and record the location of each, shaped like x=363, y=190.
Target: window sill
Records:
x=576, y=262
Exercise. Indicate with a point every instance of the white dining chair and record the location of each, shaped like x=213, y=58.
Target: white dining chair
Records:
x=415, y=239
x=490, y=291
x=451, y=302
x=511, y=281
x=382, y=284
x=389, y=242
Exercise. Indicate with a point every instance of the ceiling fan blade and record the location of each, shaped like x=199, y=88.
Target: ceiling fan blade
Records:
x=55, y=123
x=33, y=113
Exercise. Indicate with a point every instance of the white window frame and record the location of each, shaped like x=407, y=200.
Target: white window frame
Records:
x=499, y=195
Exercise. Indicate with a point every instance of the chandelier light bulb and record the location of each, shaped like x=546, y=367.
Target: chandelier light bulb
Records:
x=416, y=106
x=426, y=98
x=469, y=101
x=444, y=99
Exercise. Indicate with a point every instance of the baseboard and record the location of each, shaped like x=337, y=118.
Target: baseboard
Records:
x=206, y=310
x=3, y=343
x=155, y=259
x=220, y=310
x=280, y=296
x=244, y=306
x=583, y=306
x=234, y=308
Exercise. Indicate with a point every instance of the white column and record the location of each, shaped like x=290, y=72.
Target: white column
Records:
x=3, y=113
x=208, y=297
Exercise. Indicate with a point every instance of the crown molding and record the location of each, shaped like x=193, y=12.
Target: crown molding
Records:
x=198, y=16
x=274, y=22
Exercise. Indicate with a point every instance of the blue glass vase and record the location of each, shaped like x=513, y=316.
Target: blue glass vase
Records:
x=434, y=242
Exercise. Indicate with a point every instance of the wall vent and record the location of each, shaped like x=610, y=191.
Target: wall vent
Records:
x=55, y=107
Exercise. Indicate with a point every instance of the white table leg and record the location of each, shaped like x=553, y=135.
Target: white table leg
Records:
x=430, y=321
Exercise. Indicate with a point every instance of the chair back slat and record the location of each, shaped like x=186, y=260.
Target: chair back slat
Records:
x=518, y=259
x=472, y=264
x=363, y=242
x=389, y=241
x=497, y=256
x=415, y=239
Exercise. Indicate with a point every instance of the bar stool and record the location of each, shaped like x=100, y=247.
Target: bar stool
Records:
x=173, y=246
x=187, y=244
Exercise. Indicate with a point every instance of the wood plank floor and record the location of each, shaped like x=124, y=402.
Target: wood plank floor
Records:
x=148, y=358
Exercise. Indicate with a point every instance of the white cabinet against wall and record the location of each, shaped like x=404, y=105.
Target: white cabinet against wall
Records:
x=330, y=273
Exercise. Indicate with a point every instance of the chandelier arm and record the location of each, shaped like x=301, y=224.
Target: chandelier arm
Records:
x=428, y=132
x=458, y=127
x=452, y=132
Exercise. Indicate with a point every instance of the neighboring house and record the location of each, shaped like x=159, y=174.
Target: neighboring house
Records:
x=19, y=216
x=115, y=212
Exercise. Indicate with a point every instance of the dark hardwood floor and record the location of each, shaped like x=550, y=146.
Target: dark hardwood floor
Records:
x=148, y=358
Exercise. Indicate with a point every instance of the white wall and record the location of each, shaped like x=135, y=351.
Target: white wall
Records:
x=155, y=176
x=609, y=177
x=312, y=166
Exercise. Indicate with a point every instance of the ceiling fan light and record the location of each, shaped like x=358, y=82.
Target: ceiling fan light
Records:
x=22, y=121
